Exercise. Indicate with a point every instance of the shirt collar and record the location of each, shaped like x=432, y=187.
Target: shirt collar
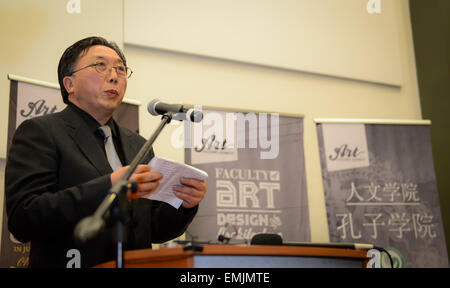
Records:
x=90, y=121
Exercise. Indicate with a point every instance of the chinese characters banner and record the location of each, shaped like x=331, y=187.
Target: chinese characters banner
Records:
x=256, y=182
x=380, y=188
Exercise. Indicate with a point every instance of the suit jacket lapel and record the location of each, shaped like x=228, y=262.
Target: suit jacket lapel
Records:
x=129, y=145
x=86, y=141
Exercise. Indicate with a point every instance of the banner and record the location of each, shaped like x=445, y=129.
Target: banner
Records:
x=380, y=188
x=256, y=180
x=28, y=99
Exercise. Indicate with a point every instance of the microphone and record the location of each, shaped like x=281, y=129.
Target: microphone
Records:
x=266, y=239
x=223, y=239
x=180, y=113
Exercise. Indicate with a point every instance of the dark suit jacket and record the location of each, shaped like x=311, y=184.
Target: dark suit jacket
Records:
x=56, y=174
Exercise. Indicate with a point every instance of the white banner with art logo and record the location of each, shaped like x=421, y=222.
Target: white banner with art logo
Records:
x=256, y=182
x=380, y=188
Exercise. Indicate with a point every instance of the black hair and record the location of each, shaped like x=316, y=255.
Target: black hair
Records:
x=73, y=53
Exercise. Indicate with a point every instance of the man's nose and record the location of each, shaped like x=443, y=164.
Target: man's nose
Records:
x=113, y=77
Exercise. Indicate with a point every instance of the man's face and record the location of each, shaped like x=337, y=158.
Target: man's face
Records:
x=96, y=93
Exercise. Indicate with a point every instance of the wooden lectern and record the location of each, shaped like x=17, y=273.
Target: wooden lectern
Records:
x=243, y=256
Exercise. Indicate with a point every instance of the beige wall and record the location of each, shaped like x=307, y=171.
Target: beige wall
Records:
x=34, y=34
x=34, y=49
x=328, y=37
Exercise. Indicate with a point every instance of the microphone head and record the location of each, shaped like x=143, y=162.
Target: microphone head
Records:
x=194, y=115
x=151, y=107
x=156, y=108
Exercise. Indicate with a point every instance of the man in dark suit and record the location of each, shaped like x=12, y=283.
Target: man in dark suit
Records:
x=57, y=170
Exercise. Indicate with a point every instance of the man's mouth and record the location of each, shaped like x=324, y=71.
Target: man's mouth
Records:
x=112, y=93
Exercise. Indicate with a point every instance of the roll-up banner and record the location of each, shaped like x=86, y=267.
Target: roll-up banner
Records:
x=380, y=188
x=256, y=182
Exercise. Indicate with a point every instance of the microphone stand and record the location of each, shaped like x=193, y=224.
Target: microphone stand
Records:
x=116, y=202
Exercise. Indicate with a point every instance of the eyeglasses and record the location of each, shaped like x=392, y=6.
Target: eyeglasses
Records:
x=103, y=68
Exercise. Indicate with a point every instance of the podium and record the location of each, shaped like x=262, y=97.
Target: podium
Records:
x=243, y=256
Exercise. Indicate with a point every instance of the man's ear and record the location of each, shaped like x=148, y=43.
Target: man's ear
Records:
x=68, y=84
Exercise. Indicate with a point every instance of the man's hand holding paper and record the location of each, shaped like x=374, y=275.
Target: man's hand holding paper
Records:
x=181, y=184
x=147, y=180
x=191, y=195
